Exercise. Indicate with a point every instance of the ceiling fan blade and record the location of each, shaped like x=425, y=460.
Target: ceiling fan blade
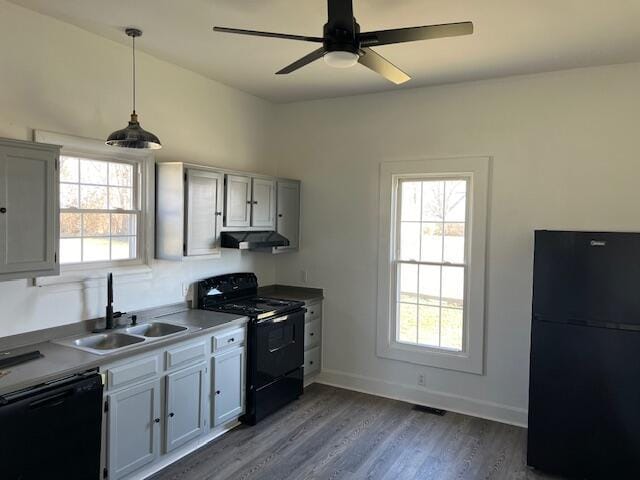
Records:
x=307, y=59
x=256, y=33
x=382, y=66
x=412, y=34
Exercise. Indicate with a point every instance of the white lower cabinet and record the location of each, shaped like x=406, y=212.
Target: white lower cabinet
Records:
x=228, y=390
x=167, y=400
x=185, y=406
x=134, y=428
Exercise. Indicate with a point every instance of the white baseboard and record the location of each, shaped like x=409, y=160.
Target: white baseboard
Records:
x=422, y=396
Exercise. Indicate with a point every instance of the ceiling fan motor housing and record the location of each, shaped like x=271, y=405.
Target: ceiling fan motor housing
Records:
x=338, y=39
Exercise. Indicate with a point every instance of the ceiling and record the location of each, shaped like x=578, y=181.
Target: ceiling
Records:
x=511, y=37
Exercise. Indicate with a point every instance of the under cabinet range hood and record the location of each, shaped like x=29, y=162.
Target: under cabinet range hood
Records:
x=253, y=240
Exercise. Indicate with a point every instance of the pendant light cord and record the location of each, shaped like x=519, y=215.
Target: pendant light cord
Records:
x=133, y=38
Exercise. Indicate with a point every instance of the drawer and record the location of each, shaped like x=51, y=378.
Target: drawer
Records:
x=312, y=333
x=184, y=354
x=314, y=311
x=132, y=372
x=312, y=361
x=228, y=338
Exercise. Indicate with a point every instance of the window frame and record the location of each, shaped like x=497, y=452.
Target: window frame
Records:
x=396, y=260
x=92, y=149
x=476, y=169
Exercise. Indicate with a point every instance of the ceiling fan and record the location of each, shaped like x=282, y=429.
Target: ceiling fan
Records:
x=343, y=45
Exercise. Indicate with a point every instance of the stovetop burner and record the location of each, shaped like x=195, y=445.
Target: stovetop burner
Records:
x=258, y=307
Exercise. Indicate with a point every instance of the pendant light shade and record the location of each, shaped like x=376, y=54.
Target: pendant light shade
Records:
x=134, y=136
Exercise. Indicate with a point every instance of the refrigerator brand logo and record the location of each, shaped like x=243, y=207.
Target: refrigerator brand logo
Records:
x=598, y=243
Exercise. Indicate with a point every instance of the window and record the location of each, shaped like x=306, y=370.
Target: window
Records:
x=431, y=262
x=99, y=210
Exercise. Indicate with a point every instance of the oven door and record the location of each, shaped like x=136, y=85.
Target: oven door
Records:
x=279, y=347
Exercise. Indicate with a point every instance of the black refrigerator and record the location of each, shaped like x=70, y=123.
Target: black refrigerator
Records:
x=584, y=383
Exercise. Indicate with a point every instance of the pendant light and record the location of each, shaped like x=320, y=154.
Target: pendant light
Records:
x=134, y=136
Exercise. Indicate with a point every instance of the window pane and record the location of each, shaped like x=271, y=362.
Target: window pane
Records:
x=432, y=201
x=121, y=174
x=407, y=323
x=70, y=250
x=95, y=249
x=123, y=248
x=429, y=285
x=455, y=202
x=95, y=224
x=453, y=286
x=69, y=196
x=410, y=201
x=93, y=197
x=454, y=242
x=120, y=198
x=431, y=242
x=93, y=171
x=429, y=326
x=70, y=224
x=451, y=328
x=69, y=169
x=123, y=224
x=408, y=283
x=409, y=241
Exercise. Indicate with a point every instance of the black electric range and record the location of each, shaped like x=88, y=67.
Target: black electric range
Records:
x=275, y=340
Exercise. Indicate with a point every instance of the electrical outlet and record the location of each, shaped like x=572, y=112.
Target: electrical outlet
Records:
x=185, y=289
x=304, y=276
x=421, y=380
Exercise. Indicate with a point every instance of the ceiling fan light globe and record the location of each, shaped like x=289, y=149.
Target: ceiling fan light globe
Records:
x=339, y=59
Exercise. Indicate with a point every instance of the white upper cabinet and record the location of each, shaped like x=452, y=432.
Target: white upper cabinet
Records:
x=238, y=201
x=28, y=209
x=189, y=206
x=288, y=213
x=263, y=203
x=204, y=212
x=250, y=202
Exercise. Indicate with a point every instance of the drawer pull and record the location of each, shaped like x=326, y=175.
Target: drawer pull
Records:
x=157, y=420
x=217, y=392
x=172, y=414
x=231, y=340
x=311, y=362
x=311, y=334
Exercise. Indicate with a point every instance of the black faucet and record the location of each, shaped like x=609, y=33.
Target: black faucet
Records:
x=110, y=315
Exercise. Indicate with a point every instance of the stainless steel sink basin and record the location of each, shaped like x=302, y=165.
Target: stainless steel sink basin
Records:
x=156, y=329
x=102, y=343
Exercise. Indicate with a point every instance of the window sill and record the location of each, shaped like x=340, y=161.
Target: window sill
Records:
x=94, y=277
x=431, y=357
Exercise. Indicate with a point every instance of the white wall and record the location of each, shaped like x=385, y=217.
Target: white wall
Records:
x=60, y=78
x=565, y=155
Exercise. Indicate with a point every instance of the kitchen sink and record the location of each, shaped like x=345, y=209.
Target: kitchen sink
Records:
x=156, y=329
x=103, y=343
x=125, y=337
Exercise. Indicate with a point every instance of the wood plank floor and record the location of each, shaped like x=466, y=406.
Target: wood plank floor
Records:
x=331, y=433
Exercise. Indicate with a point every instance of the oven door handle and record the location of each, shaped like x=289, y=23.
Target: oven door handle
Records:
x=273, y=320
x=274, y=350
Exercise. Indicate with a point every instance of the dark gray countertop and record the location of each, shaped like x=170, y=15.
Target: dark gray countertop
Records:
x=60, y=361
x=286, y=292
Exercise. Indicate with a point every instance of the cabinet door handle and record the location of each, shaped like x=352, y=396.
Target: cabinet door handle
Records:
x=255, y=203
x=218, y=214
x=172, y=414
x=217, y=392
x=311, y=334
x=157, y=420
x=249, y=202
x=231, y=340
x=3, y=210
x=311, y=362
x=280, y=215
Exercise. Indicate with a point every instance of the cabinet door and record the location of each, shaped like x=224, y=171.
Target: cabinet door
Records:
x=28, y=211
x=204, y=211
x=134, y=428
x=288, y=219
x=263, y=203
x=185, y=406
x=228, y=386
x=238, y=201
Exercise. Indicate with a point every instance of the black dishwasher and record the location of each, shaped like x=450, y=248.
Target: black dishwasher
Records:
x=53, y=430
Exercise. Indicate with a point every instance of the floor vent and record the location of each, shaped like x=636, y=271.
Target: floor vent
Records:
x=431, y=410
